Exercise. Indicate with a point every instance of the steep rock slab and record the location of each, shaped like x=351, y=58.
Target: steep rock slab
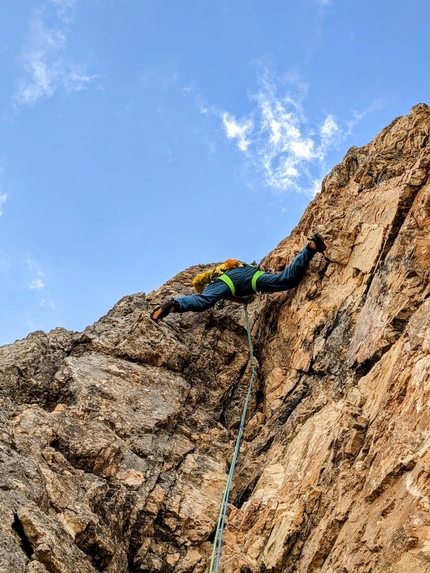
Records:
x=344, y=483
x=115, y=442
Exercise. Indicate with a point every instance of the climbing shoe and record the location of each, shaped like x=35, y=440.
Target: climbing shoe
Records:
x=319, y=242
x=163, y=310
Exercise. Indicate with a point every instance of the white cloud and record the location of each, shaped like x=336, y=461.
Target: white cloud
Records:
x=46, y=66
x=279, y=140
x=48, y=303
x=64, y=4
x=35, y=268
x=237, y=130
x=2, y=200
x=5, y=263
x=315, y=187
x=329, y=129
x=359, y=115
x=36, y=284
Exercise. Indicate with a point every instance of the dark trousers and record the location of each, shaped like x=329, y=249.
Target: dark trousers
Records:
x=288, y=279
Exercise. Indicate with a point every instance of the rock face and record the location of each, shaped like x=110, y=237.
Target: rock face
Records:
x=115, y=443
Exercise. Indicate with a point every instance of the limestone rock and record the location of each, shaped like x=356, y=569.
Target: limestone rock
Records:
x=115, y=442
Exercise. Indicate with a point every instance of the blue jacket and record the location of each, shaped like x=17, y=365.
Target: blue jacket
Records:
x=241, y=278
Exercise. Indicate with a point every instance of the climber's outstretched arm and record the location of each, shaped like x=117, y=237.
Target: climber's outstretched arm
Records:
x=200, y=302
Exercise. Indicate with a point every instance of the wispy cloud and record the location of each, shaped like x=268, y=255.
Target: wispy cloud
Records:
x=357, y=116
x=35, y=268
x=280, y=142
x=48, y=303
x=5, y=263
x=2, y=200
x=36, y=284
x=47, y=68
x=237, y=130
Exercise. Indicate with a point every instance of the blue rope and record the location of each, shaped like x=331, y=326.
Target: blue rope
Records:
x=216, y=550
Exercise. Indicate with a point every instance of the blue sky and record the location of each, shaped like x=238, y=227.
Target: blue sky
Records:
x=139, y=137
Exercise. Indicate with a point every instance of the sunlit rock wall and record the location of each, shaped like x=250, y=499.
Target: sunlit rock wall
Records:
x=115, y=443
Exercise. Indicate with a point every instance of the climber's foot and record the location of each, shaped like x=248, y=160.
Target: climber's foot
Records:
x=317, y=243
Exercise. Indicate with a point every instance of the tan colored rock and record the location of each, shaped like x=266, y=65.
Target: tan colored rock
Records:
x=115, y=443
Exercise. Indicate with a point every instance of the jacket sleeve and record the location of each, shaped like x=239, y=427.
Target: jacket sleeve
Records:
x=202, y=280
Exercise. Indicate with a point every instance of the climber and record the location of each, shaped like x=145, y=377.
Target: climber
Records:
x=234, y=280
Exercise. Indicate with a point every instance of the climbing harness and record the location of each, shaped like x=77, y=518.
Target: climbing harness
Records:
x=216, y=550
x=227, y=280
x=254, y=279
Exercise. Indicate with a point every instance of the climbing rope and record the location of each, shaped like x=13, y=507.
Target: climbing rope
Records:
x=216, y=550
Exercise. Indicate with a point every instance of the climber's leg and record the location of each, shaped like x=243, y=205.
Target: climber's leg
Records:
x=290, y=277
